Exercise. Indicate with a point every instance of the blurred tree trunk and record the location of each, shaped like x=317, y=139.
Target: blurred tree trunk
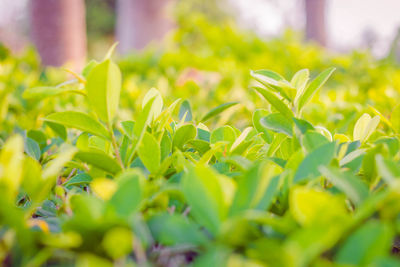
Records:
x=140, y=22
x=315, y=20
x=58, y=30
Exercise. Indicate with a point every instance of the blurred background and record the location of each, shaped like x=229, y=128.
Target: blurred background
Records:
x=202, y=51
x=72, y=30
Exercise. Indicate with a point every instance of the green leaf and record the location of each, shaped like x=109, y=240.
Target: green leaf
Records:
x=273, y=81
x=31, y=179
x=223, y=134
x=277, y=103
x=117, y=242
x=370, y=241
x=144, y=120
x=217, y=110
x=103, y=88
x=32, y=148
x=199, y=145
x=308, y=168
x=311, y=140
x=157, y=102
x=110, y=51
x=253, y=188
x=127, y=127
x=82, y=142
x=37, y=93
x=165, y=146
x=11, y=160
x=149, y=152
x=313, y=207
x=54, y=167
x=325, y=132
x=239, y=162
x=165, y=117
x=268, y=76
x=98, y=143
x=276, y=143
x=215, y=256
x=303, y=125
x=278, y=123
x=38, y=136
x=352, y=186
x=364, y=127
x=87, y=209
x=300, y=79
x=241, y=139
x=205, y=197
x=185, y=110
x=58, y=129
x=387, y=169
x=305, y=96
x=392, y=144
x=123, y=147
x=183, y=135
x=79, y=179
x=140, y=128
x=257, y=115
x=395, y=118
x=203, y=133
x=127, y=198
x=80, y=121
x=352, y=156
x=389, y=261
x=174, y=229
x=99, y=160
x=88, y=68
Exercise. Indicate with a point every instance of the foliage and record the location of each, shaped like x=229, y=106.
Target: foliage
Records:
x=219, y=166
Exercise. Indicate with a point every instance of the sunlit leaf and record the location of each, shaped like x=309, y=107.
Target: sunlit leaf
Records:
x=99, y=160
x=278, y=123
x=370, y=241
x=352, y=186
x=304, y=96
x=80, y=121
x=364, y=127
x=103, y=87
x=277, y=103
x=149, y=152
x=308, y=168
x=217, y=110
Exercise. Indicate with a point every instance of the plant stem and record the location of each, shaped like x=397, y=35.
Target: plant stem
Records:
x=115, y=146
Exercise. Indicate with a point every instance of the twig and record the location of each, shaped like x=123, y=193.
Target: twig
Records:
x=115, y=146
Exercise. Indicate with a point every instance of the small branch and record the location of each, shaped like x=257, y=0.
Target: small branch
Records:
x=70, y=174
x=115, y=146
x=140, y=254
x=186, y=212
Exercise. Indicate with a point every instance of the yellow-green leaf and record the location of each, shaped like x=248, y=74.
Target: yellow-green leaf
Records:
x=277, y=103
x=311, y=206
x=103, y=89
x=55, y=166
x=395, y=118
x=204, y=194
x=149, y=152
x=158, y=103
x=43, y=92
x=11, y=159
x=99, y=160
x=183, y=135
x=80, y=121
x=303, y=97
x=364, y=127
x=300, y=79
